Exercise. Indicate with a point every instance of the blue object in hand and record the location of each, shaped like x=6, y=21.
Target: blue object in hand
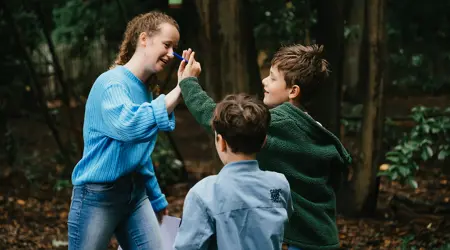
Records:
x=179, y=57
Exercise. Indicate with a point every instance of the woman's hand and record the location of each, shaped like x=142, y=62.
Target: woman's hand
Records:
x=160, y=214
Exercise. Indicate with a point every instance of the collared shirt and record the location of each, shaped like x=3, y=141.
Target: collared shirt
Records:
x=242, y=207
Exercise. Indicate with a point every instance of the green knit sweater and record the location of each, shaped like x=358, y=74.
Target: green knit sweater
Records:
x=312, y=159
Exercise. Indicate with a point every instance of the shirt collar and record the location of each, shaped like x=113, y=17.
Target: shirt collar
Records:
x=240, y=166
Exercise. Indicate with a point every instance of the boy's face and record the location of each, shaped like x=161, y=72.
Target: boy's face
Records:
x=275, y=90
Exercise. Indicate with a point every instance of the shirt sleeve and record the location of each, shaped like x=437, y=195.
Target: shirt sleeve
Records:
x=127, y=121
x=196, y=225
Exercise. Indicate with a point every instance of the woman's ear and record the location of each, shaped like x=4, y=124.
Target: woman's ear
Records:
x=143, y=39
x=294, y=92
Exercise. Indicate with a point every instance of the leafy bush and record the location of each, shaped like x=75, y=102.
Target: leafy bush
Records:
x=169, y=169
x=428, y=140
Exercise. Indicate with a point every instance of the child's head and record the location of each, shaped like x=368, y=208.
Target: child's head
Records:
x=241, y=123
x=152, y=37
x=295, y=72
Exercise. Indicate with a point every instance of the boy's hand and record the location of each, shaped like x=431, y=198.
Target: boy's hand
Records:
x=186, y=54
x=160, y=214
x=192, y=68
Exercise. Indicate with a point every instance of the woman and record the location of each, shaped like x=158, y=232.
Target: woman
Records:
x=115, y=188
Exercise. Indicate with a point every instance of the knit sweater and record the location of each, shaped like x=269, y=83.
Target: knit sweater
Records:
x=312, y=159
x=120, y=129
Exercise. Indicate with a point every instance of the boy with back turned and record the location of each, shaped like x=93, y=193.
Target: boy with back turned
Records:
x=242, y=207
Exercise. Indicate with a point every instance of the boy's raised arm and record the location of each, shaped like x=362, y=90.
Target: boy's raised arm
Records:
x=198, y=102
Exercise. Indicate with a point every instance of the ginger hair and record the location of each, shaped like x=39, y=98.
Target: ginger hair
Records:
x=149, y=23
x=302, y=65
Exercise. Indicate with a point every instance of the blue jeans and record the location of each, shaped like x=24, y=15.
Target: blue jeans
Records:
x=293, y=248
x=99, y=211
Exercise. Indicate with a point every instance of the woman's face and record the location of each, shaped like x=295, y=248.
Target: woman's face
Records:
x=159, y=47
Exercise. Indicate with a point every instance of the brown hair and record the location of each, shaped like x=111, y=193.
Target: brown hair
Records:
x=149, y=23
x=242, y=121
x=302, y=66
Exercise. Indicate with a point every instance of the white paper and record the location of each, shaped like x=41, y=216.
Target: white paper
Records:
x=169, y=229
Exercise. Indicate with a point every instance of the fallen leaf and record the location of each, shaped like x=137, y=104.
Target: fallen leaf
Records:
x=63, y=215
x=384, y=167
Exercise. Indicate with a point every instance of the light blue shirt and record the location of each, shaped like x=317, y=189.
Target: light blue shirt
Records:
x=120, y=128
x=242, y=207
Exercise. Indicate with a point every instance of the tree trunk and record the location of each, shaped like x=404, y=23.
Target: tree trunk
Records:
x=74, y=129
x=379, y=151
x=365, y=175
x=353, y=45
x=326, y=105
x=35, y=84
x=228, y=53
x=307, y=22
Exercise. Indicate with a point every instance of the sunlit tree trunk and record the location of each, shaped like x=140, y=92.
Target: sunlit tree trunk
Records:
x=228, y=53
x=229, y=50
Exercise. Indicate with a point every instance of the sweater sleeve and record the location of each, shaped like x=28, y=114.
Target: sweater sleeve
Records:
x=198, y=102
x=156, y=197
x=127, y=121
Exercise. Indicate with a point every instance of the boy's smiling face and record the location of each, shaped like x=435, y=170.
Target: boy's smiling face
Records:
x=276, y=91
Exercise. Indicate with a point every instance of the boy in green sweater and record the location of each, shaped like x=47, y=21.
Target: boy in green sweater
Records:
x=312, y=158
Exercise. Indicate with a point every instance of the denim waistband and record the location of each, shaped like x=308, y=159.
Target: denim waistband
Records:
x=128, y=188
x=126, y=183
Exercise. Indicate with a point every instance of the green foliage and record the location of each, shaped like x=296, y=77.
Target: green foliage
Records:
x=407, y=239
x=10, y=145
x=428, y=140
x=285, y=22
x=12, y=69
x=419, y=45
x=79, y=23
x=169, y=168
x=62, y=184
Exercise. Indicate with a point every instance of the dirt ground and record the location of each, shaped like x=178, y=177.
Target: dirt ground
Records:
x=33, y=215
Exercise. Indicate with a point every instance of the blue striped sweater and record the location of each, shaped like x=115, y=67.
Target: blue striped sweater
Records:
x=120, y=129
